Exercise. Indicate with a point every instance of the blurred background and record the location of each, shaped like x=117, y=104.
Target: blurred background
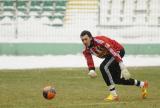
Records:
x=46, y=33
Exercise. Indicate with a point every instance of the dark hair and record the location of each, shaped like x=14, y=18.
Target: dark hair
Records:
x=85, y=32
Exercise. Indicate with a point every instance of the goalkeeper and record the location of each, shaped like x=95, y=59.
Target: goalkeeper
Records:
x=112, y=68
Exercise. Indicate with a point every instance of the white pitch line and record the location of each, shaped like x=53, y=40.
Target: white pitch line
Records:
x=107, y=103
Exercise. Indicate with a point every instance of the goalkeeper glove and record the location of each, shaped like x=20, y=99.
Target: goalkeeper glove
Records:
x=92, y=74
x=124, y=71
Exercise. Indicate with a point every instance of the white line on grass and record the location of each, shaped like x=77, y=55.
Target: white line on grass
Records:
x=110, y=102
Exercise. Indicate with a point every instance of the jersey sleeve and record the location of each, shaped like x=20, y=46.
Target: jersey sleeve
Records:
x=89, y=59
x=110, y=49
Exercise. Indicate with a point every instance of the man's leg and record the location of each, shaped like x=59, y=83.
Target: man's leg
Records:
x=116, y=73
x=108, y=78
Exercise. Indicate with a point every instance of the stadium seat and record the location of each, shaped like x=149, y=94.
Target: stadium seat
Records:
x=45, y=20
x=46, y=13
x=8, y=8
x=7, y=20
x=60, y=8
x=22, y=6
x=140, y=20
x=105, y=11
x=61, y=2
x=116, y=14
x=48, y=5
x=57, y=22
x=54, y=9
x=58, y=15
x=35, y=8
x=141, y=12
x=141, y=5
x=154, y=12
x=9, y=5
x=35, y=5
x=128, y=12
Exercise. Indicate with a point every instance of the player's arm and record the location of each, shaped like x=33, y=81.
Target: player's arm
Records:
x=89, y=59
x=90, y=63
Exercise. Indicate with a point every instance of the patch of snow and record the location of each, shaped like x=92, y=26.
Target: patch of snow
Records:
x=49, y=61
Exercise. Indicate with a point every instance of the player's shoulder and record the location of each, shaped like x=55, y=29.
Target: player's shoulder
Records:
x=100, y=38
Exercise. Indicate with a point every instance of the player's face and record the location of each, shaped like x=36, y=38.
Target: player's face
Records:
x=86, y=40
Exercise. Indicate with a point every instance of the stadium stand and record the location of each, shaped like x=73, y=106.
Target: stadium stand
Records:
x=101, y=12
x=154, y=12
x=129, y=12
x=8, y=8
x=54, y=10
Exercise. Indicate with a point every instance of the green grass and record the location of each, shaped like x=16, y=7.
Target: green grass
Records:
x=23, y=89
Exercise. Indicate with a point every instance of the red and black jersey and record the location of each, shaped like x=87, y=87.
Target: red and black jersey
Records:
x=101, y=47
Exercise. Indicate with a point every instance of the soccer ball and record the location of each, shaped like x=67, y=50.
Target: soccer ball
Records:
x=49, y=92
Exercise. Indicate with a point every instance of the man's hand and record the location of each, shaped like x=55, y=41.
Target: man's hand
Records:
x=124, y=71
x=125, y=74
x=92, y=74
